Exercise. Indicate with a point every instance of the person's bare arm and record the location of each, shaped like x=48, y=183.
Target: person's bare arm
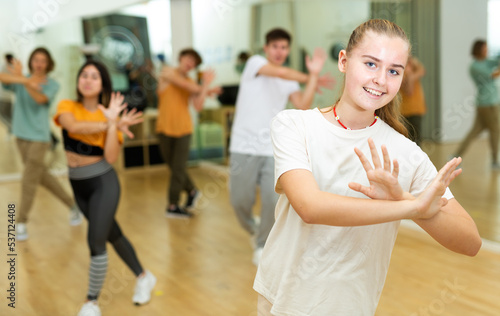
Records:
x=452, y=226
x=283, y=73
x=199, y=98
x=170, y=75
x=318, y=207
x=303, y=99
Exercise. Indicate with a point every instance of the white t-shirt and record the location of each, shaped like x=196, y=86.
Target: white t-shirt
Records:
x=325, y=270
x=260, y=98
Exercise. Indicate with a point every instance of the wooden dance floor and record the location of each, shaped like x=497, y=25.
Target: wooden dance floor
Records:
x=203, y=265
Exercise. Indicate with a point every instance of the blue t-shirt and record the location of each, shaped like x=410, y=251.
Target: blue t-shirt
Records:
x=480, y=71
x=30, y=120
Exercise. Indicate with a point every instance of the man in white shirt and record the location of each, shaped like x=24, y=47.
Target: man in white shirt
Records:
x=265, y=88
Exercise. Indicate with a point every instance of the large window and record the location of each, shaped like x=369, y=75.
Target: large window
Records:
x=494, y=27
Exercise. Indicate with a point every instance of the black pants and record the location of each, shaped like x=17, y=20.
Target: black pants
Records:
x=97, y=197
x=175, y=152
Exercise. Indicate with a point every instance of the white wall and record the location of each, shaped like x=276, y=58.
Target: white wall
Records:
x=221, y=29
x=182, y=24
x=462, y=21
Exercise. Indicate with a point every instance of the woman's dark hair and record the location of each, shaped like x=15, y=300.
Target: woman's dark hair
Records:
x=105, y=95
x=278, y=34
x=477, y=47
x=50, y=61
x=191, y=52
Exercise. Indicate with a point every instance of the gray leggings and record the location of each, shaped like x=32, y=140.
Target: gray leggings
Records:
x=247, y=173
x=97, y=192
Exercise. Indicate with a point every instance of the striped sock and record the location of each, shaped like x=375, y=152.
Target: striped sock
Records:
x=97, y=274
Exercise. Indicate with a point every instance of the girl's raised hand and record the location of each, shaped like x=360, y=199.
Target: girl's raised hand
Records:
x=128, y=119
x=384, y=183
x=115, y=107
x=431, y=200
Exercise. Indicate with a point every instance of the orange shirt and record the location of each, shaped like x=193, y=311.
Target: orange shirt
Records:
x=82, y=114
x=413, y=104
x=174, y=119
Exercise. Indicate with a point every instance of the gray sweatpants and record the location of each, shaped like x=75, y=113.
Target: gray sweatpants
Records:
x=247, y=173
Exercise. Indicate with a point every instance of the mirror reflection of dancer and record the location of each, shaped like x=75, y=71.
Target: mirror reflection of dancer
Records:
x=328, y=252
x=484, y=71
x=92, y=134
x=30, y=125
x=174, y=126
x=265, y=88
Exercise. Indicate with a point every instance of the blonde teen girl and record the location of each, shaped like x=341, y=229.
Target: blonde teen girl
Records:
x=336, y=218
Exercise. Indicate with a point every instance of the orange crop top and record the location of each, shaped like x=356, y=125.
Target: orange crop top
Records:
x=83, y=144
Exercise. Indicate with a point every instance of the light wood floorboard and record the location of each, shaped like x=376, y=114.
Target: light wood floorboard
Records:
x=203, y=265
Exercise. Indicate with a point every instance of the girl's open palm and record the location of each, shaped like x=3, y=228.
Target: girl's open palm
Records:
x=431, y=201
x=384, y=183
x=115, y=107
x=128, y=119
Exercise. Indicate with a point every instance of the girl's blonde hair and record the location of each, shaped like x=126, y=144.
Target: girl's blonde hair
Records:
x=389, y=113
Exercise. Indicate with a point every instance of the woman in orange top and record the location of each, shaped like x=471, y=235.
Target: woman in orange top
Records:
x=92, y=134
x=413, y=102
x=174, y=126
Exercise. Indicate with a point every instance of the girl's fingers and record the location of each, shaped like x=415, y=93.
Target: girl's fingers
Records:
x=449, y=172
x=366, y=164
x=122, y=107
x=373, y=150
x=387, y=159
x=358, y=188
x=395, y=171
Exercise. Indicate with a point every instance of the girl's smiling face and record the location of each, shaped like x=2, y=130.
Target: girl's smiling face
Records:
x=373, y=71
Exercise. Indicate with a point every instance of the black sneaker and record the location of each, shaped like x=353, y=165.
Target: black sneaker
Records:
x=192, y=199
x=178, y=213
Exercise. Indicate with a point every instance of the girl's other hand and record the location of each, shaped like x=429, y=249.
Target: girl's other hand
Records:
x=128, y=119
x=384, y=183
x=431, y=200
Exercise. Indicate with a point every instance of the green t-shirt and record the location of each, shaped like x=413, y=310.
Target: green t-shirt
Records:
x=480, y=71
x=30, y=120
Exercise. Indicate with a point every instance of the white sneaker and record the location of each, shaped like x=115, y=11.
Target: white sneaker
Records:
x=143, y=288
x=90, y=308
x=257, y=254
x=21, y=231
x=75, y=216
